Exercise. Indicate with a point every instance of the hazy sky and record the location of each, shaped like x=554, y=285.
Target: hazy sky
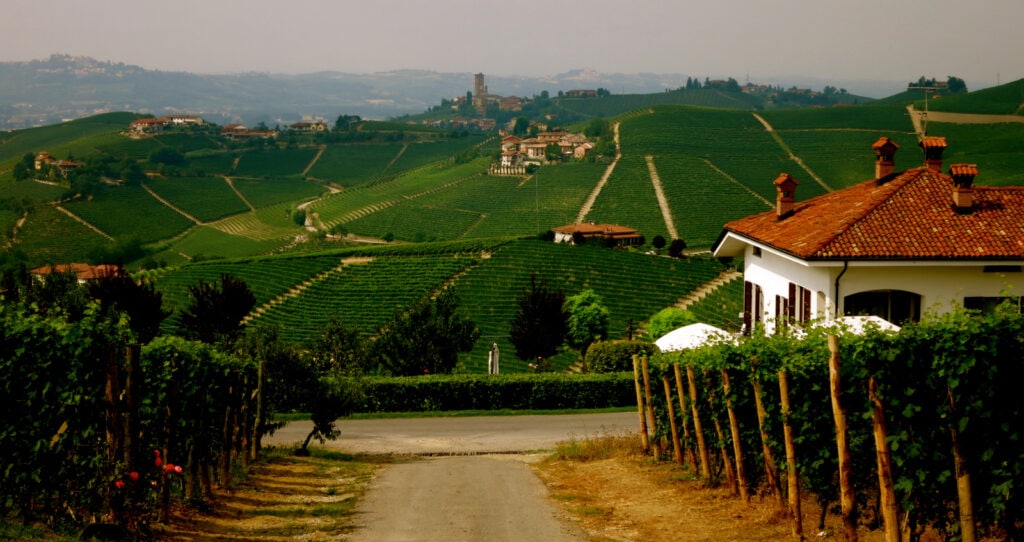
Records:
x=978, y=40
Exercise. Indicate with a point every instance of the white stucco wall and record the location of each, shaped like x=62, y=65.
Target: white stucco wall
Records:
x=941, y=285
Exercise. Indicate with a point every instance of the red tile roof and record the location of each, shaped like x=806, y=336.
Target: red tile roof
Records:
x=82, y=271
x=909, y=216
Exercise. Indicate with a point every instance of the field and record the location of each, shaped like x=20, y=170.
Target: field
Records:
x=130, y=212
x=205, y=198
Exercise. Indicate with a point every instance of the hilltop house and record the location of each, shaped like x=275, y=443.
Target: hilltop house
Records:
x=516, y=150
x=305, y=126
x=894, y=246
x=82, y=271
x=619, y=235
x=63, y=167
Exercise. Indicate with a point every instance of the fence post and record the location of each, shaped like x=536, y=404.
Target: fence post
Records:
x=690, y=454
x=677, y=453
x=650, y=408
x=793, y=481
x=846, y=496
x=645, y=441
x=737, y=446
x=887, y=495
x=702, y=446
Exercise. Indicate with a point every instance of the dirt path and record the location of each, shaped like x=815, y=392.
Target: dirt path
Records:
x=81, y=220
x=319, y=153
x=231, y=185
x=171, y=205
x=468, y=498
x=589, y=203
x=659, y=193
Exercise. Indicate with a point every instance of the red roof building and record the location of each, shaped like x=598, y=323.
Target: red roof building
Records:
x=902, y=244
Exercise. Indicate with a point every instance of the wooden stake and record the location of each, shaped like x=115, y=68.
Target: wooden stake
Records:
x=656, y=445
x=887, y=494
x=846, y=496
x=691, y=455
x=737, y=446
x=771, y=470
x=730, y=471
x=645, y=439
x=702, y=445
x=792, y=478
x=963, y=480
x=677, y=452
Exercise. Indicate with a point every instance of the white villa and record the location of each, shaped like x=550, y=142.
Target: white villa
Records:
x=895, y=246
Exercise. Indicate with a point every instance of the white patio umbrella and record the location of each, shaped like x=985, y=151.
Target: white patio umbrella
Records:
x=691, y=336
x=858, y=325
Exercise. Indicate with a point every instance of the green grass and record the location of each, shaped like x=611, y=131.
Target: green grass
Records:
x=51, y=237
x=204, y=242
x=216, y=162
x=1005, y=99
x=57, y=139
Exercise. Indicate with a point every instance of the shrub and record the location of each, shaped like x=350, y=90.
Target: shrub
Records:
x=615, y=356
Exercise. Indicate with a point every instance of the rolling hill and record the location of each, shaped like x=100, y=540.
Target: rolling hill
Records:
x=303, y=220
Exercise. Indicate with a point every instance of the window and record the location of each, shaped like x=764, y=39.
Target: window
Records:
x=896, y=306
x=753, y=306
x=988, y=305
x=798, y=305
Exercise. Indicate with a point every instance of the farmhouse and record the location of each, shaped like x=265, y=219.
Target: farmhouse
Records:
x=239, y=131
x=619, y=235
x=146, y=125
x=316, y=126
x=181, y=120
x=898, y=245
x=44, y=159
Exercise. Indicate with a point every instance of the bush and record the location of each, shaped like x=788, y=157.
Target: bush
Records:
x=615, y=356
x=541, y=391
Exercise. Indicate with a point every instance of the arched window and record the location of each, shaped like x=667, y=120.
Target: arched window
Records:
x=896, y=306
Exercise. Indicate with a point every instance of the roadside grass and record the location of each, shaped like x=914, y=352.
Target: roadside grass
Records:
x=594, y=448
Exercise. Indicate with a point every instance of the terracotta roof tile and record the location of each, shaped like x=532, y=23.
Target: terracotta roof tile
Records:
x=910, y=216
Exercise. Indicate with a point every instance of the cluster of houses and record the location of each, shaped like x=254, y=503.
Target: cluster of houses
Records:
x=517, y=151
x=151, y=125
x=62, y=167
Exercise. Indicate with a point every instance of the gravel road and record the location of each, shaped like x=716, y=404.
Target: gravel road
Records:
x=474, y=483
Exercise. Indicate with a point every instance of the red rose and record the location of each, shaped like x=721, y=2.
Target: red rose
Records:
x=158, y=462
x=119, y=484
x=177, y=469
x=134, y=476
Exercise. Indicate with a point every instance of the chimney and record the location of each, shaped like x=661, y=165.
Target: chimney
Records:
x=963, y=186
x=885, y=157
x=785, y=195
x=933, y=147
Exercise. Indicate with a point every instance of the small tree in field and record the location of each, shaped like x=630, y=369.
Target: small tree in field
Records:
x=588, y=320
x=676, y=248
x=426, y=339
x=215, y=313
x=658, y=242
x=540, y=325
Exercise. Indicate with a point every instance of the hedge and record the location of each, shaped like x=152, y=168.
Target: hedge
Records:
x=539, y=391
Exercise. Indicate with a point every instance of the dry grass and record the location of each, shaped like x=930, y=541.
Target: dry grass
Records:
x=616, y=493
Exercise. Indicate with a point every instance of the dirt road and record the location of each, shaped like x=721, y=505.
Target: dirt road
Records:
x=467, y=498
x=475, y=483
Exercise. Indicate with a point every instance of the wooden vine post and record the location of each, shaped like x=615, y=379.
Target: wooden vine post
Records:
x=691, y=455
x=887, y=494
x=963, y=479
x=650, y=408
x=792, y=478
x=730, y=470
x=702, y=445
x=644, y=438
x=771, y=470
x=846, y=499
x=677, y=452
x=737, y=446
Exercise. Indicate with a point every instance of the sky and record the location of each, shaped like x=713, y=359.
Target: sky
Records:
x=980, y=41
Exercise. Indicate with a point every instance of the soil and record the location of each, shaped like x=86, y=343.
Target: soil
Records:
x=623, y=498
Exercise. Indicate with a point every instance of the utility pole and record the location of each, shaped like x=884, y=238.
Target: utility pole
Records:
x=924, y=122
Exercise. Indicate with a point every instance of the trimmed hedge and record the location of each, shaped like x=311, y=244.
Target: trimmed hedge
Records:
x=612, y=356
x=541, y=391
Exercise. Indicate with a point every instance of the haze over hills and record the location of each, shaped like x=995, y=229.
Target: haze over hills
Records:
x=63, y=87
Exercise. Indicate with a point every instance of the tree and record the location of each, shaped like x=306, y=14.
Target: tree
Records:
x=552, y=152
x=215, y=314
x=167, y=155
x=24, y=168
x=658, y=242
x=426, y=339
x=955, y=85
x=338, y=350
x=588, y=320
x=676, y=248
x=521, y=126
x=139, y=300
x=540, y=325
x=667, y=320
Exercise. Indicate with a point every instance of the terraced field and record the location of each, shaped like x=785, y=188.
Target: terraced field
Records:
x=205, y=198
x=633, y=286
